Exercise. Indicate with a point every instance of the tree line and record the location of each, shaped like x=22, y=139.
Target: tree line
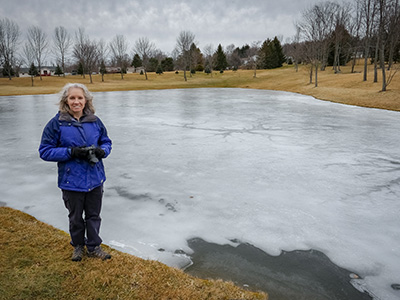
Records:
x=332, y=34
x=79, y=52
x=327, y=34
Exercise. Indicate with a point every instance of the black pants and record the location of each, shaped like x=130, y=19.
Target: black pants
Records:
x=89, y=203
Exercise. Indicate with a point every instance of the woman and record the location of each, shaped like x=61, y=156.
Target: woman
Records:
x=77, y=140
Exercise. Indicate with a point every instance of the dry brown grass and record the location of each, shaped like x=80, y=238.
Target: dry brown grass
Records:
x=344, y=87
x=35, y=264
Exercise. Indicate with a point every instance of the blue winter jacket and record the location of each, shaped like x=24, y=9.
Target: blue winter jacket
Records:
x=63, y=132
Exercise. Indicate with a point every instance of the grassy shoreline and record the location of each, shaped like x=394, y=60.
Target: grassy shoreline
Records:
x=345, y=87
x=35, y=264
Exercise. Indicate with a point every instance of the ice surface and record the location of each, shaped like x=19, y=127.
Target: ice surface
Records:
x=278, y=170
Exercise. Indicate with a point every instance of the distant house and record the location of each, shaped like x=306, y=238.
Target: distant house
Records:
x=113, y=70
x=45, y=71
x=139, y=70
x=48, y=71
x=130, y=70
x=23, y=72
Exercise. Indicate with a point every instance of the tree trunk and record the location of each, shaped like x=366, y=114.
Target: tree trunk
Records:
x=366, y=54
x=63, y=67
x=354, y=60
x=393, y=33
x=383, y=67
x=336, y=61
x=376, y=61
x=382, y=42
x=316, y=75
x=390, y=61
x=40, y=71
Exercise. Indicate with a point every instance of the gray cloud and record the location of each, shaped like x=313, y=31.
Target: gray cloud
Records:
x=212, y=21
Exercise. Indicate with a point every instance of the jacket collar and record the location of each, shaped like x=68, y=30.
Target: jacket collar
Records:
x=89, y=117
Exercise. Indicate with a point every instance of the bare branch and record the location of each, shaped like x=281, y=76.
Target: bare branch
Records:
x=9, y=40
x=118, y=47
x=62, y=42
x=37, y=40
x=145, y=49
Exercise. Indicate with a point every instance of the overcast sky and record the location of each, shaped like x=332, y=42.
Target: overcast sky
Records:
x=213, y=22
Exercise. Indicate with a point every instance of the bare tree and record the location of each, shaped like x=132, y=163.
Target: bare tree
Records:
x=118, y=47
x=316, y=26
x=383, y=18
x=209, y=51
x=144, y=48
x=194, y=57
x=86, y=52
x=293, y=49
x=354, y=29
x=103, y=51
x=393, y=30
x=230, y=51
x=62, y=42
x=183, y=43
x=394, y=38
x=79, y=49
x=342, y=20
x=29, y=57
x=253, y=56
x=9, y=40
x=368, y=9
x=37, y=40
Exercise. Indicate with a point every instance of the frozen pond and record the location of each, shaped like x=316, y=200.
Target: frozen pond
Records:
x=277, y=170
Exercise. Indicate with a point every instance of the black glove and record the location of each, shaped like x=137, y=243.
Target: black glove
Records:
x=100, y=153
x=79, y=152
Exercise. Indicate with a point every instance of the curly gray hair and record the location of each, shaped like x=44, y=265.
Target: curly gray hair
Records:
x=64, y=107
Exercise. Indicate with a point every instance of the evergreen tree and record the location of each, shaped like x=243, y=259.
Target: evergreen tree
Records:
x=266, y=55
x=152, y=65
x=199, y=68
x=279, y=52
x=8, y=71
x=271, y=54
x=339, y=39
x=167, y=64
x=80, y=70
x=243, y=51
x=58, y=71
x=33, y=72
x=220, y=59
x=136, y=62
x=102, y=70
x=343, y=59
x=159, y=69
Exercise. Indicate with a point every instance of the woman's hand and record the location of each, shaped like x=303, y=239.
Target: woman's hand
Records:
x=100, y=153
x=79, y=152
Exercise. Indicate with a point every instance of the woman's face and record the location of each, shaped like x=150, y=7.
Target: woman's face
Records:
x=76, y=101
